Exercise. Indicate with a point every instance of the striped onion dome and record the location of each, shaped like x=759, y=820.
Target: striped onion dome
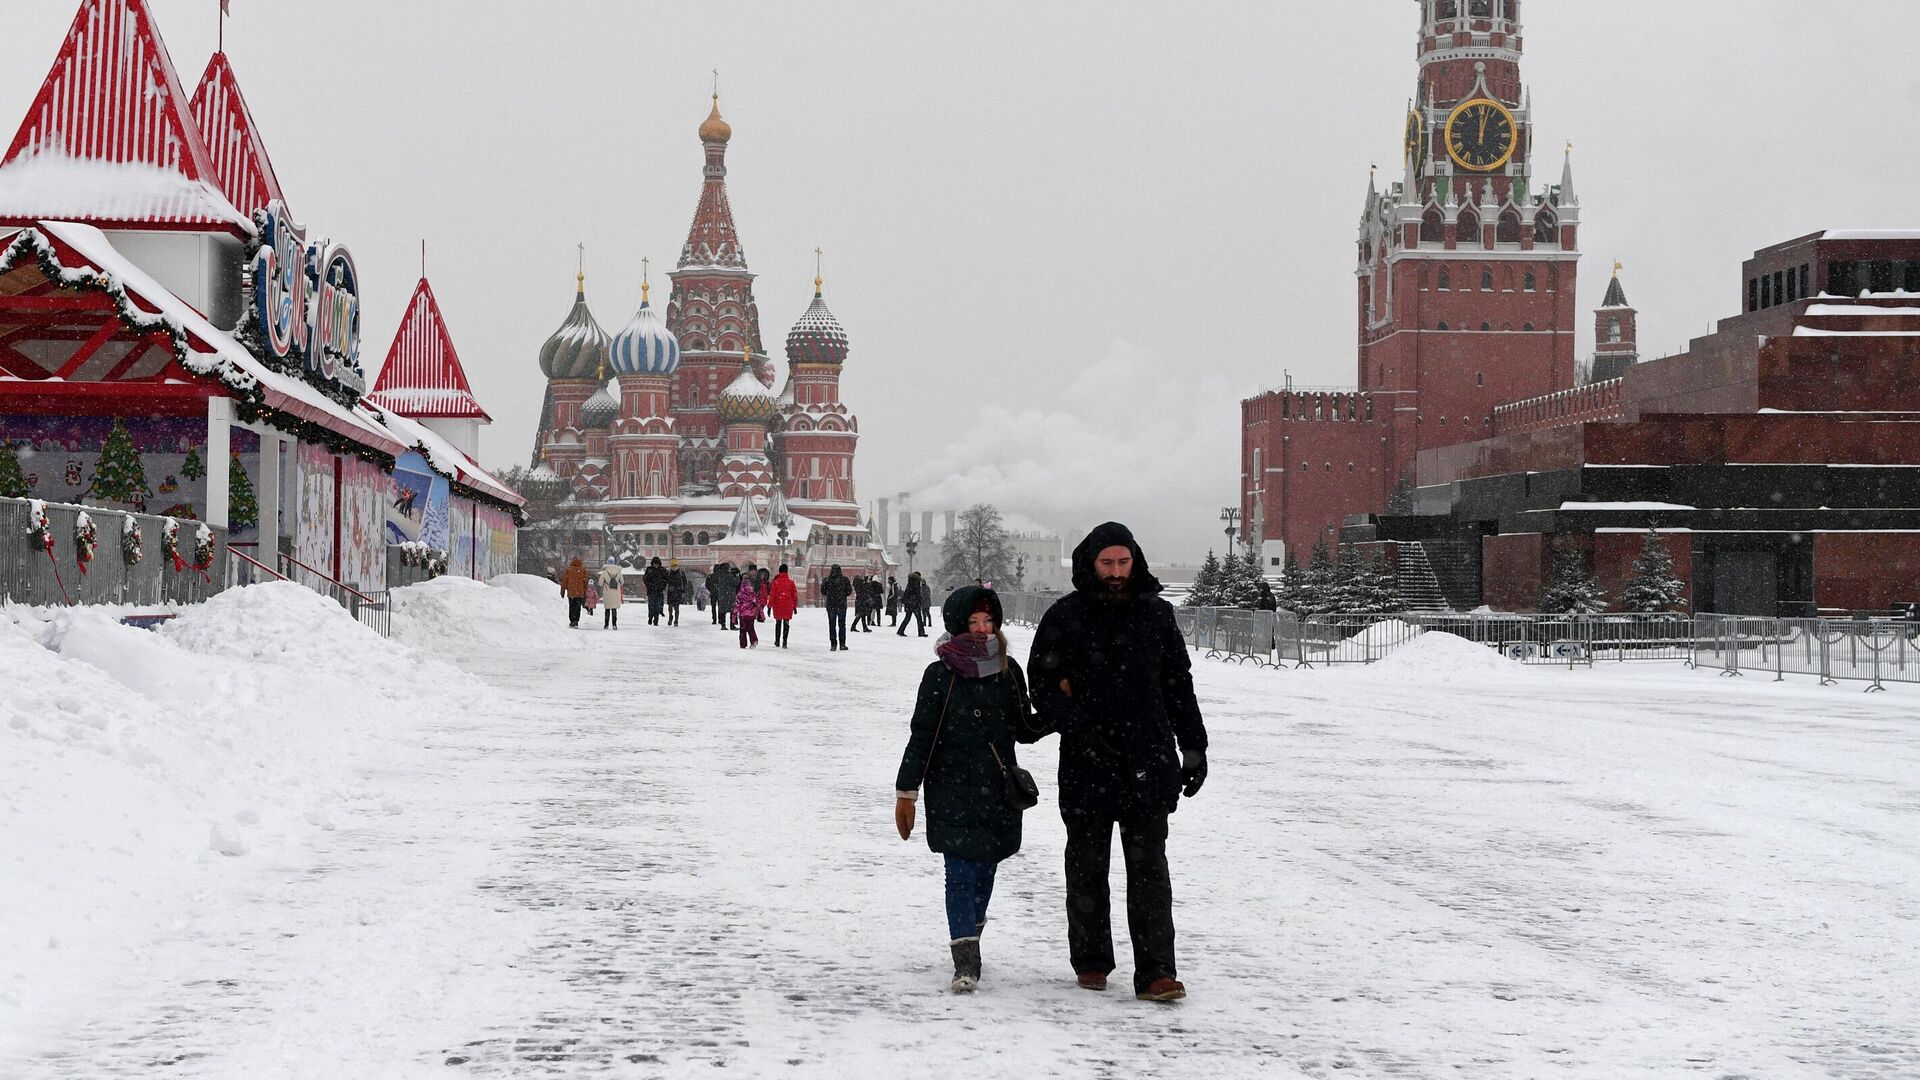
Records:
x=746, y=400
x=579, y=347
x=645, y=346
x=600, y=411
x=818, y=337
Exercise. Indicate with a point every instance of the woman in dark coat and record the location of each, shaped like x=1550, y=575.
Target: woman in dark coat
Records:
x=972, y=707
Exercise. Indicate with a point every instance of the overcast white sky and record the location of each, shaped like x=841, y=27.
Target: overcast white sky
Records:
x=1109, y=220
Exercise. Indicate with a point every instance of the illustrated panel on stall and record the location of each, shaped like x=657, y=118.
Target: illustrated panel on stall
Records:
x=147, y=464
x=363, y=553
x=418, y=507
x=313, y=538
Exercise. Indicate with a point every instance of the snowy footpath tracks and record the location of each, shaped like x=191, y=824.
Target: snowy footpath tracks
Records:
x=647, y=853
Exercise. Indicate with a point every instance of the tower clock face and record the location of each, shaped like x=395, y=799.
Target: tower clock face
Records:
x=1481, y=135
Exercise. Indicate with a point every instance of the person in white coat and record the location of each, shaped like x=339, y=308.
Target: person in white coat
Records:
x=612, y=582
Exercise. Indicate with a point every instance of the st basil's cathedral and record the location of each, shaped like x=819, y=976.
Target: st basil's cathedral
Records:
x=666, y=439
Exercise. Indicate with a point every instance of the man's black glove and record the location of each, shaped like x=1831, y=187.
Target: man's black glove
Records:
x=1193, y=771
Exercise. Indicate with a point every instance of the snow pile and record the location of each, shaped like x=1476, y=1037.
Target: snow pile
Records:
x=142, y=768
x=1440, y=656
x=1386, y=634
x=459, y=614
x=542, y=593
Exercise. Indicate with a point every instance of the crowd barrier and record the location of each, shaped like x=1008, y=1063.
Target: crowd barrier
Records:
x=1874, y=651
x=32, y=574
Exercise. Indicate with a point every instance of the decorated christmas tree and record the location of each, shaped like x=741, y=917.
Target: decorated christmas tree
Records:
x=1571, y=590
x=243, y=509
x=13, y=480
x=1652, y=587
x=118, y=476
x=193, y=468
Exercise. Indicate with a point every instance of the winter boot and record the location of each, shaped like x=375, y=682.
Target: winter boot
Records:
x=966, y=965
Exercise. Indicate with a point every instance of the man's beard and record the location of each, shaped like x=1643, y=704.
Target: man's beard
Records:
x=1116, y=587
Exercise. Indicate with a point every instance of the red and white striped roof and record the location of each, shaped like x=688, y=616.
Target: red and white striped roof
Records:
x=234, y=147
x=422, y=378
x=109, y=139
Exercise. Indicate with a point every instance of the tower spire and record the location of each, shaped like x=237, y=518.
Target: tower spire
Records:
x=818, y=279
x=1566, y=179
x=646, y=282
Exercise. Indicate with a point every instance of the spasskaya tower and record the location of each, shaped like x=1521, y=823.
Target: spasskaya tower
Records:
x=1466, y=273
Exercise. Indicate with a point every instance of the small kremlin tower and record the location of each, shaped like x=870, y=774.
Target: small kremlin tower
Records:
x=1615, y=333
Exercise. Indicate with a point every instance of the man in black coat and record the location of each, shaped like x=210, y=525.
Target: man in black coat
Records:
x=677, y=592
x=914, y=599
x=833, y=596
x=655, y=578
x=1111, y=673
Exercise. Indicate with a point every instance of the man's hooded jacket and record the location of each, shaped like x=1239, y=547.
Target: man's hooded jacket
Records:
x=1132, y=708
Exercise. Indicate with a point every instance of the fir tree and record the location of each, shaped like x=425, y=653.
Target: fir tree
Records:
x=1385, y=585
x=1292, y=581
x=1316, y=592
x=1206, y=584
x=13, y=479
x=243, y=509
x=1370, y=588
x=192, y=468
x=118, y=477
x=1652, y=587
x=1571, y=590
x=1239, y=582
x=1347, y=594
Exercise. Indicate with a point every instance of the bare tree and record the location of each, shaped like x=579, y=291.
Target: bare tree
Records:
x=978, y=548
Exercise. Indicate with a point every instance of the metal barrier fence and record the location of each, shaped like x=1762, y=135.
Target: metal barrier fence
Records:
x=30, y=574
x=1875, y=651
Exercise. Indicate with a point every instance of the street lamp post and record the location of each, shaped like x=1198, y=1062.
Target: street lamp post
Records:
x=912, y=541
x=1230, y=515
x=1019, y=571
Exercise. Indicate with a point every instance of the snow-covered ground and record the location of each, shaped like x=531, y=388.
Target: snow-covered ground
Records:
x=264, y=843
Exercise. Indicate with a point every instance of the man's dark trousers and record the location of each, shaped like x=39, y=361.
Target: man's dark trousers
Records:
x=655, y=605
x=1143, y=843
x=837, y=625
x=916, y=614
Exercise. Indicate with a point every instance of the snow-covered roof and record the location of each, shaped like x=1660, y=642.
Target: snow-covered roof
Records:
x=1624, y=506
x=110, y=138
x=422, y=376
x=234, y=146
x=213, y=353
x=1871, y=234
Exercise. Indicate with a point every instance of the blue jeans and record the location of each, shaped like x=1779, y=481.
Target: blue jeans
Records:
x=837, y=625
x=969, y=887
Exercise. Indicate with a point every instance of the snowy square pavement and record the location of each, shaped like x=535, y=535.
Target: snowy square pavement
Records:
x=265, y=844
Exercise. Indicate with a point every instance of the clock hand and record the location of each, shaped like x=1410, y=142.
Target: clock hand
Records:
x=1483, y=124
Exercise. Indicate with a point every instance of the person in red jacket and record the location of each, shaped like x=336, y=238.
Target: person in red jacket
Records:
x=783, y=596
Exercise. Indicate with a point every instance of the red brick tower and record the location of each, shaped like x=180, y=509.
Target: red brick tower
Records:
x=711, y=310
x=1616, y=334
x=1465, y=275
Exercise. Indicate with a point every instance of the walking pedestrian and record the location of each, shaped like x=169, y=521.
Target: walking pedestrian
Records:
x=655, y=579
x=716, y=580
x=676, y=591
x=573, y=586
x=783, y=599
x=1111, y=674
x=764, y=590
x=893, y=600
x=729, y=592
x=971, y=708
x=1266, y=601
x=612, y=583
x=914, y=599
x=746, y=611
x=833, y=595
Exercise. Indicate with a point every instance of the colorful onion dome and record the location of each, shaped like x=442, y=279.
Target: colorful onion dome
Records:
x=600, y=411
x=746, y=400
x=645, y=346
x=818, y=337
x=579, y=348
x=714, y=129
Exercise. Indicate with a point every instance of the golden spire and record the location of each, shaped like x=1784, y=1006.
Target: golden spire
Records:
x=1617, y=267
x=645, y=284
x=714, y=129
x=580, y=272
x=818, y=255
